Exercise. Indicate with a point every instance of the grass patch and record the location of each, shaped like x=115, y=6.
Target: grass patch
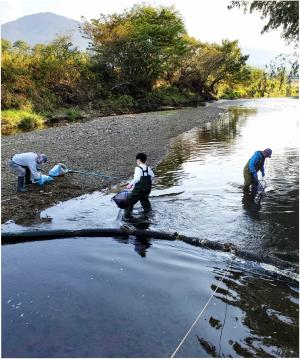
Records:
x=72, y=114
x=13, y=119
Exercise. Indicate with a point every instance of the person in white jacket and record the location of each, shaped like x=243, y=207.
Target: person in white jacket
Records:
x=27, y=165
x=141, y=183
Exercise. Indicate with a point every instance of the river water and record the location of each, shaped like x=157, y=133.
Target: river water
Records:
x=107, y=297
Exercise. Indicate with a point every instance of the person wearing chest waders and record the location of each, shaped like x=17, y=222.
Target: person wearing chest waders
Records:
x=141, y=183
x=255, y=164
x=27, y=165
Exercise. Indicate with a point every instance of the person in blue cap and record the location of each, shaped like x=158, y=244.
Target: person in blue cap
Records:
x=27, y=165
x=255, y=164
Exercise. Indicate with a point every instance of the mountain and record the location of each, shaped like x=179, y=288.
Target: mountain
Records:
x=259, y=57
x=42, y=28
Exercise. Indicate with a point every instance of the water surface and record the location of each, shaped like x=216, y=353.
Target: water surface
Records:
x=106, y=297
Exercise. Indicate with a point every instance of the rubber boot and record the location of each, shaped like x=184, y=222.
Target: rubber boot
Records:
x=21, y=187
x=27, y=176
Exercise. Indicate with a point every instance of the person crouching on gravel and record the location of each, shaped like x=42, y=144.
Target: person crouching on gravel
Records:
x=141, y=183
x=27, y=165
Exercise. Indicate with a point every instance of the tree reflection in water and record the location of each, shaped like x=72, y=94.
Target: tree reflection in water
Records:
x=261, y=319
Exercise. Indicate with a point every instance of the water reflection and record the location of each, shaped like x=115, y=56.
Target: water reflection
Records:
x=262, y=305
x=193, y=144
x=226, y=129
x=138, y=221
x=207, y=185
x=140, y=244
x=251, y=201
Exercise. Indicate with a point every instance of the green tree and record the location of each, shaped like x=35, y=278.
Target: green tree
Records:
x=5, y=45
x=62, y=69
x=208, y=66
x=21, y=46
x=15, y=75
x=45, y=76
x=135, y=49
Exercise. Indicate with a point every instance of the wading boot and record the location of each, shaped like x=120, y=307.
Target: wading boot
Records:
x=27, y=176
x=21, y=187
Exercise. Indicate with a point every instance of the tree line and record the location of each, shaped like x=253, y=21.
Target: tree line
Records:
x=137, y=60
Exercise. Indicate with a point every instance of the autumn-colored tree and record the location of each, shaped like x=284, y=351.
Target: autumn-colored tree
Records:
x=209, y=65
x=134, y=49
x=44, y=76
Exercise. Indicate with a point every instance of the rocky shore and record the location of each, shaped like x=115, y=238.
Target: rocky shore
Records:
x=106, y=144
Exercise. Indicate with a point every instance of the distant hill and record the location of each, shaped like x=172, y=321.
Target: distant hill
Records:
x=42, y=28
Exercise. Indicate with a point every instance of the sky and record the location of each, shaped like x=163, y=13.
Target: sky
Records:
x=206, y=20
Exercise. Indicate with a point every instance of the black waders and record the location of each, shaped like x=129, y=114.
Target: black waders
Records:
x=141, y=191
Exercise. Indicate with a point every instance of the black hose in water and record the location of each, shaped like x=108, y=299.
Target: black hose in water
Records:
x=39, y=235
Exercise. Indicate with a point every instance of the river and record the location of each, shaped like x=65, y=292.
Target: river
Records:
x=107, y=297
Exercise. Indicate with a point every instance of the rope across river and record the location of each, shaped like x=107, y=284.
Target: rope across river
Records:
x=202, y=310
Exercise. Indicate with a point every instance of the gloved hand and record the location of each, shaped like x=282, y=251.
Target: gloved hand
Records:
x=44, y=179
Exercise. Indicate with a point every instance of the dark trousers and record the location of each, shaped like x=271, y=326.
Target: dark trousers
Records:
x=249, y=180
x=27, y=175
x=141, y=196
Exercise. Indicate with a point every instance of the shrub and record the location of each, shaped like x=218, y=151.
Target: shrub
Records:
x=21, y=119
x=117, y=104
x=168, y=96
x=30, y=122
x=73, y=114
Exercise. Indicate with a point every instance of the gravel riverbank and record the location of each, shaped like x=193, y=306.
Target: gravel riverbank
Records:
x=107, y=144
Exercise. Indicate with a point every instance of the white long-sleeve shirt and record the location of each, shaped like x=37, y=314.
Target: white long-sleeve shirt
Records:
x=28, y=159
x=138, y=173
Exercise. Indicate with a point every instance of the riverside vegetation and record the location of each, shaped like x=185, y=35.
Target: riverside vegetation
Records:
x=139, y=60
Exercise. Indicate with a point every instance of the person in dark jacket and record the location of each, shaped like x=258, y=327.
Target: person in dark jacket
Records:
x=255, y=164
x=141, y=183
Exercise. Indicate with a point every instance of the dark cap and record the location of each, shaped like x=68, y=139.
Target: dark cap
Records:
x=268, y=152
